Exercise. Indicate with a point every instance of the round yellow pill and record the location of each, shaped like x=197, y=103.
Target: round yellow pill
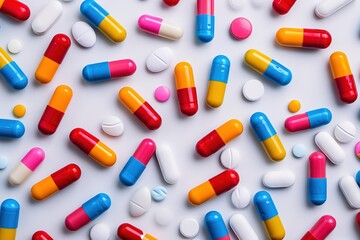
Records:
x=294, y=106
x=19, y=111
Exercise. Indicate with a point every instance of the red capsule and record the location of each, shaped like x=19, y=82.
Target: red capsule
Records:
x=127, y=231
x=171, y=2
x=15, y=9
x=283, y=6
x=358, y=219
x=41, y=235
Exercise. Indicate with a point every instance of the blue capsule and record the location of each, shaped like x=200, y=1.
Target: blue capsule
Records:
x=216, y=226
x=205, y=20
x=11, y=128
x=9, y=218
x=11, y=72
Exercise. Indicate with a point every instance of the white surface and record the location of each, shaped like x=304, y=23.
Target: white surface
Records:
x=100, y=231
x=278, y=179
x=189, y=227
x=230, y=158
x=345, y=132
x=312, y=84
x=83, y=34
x=237, y=4
x=14, y=46
x=164, y=216
x=240, y=197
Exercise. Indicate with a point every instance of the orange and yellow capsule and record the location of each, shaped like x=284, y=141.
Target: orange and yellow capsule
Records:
x=303, y=37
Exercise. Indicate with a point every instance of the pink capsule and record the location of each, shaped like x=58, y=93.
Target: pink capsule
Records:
x=157, y=26
x=322, y=228
x=317, y=190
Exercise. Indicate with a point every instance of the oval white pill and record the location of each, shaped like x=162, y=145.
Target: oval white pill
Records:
x=240, y=197
x=112, y=126
x=167, y=163
x=189, y=228
x=242, y=228
x=140, y=202
x=230, y=158
x=351, y=190
x=83, y=34
x=345, y=132
x=326, y=8
x=253, y=90
x=278, y=179
x=164, y=216
x=160, y=59
x=46, y=17
x=14, y=46
x=100, y=231
x=330, y=147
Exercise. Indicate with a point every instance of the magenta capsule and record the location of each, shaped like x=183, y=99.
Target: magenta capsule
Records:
x=159, y=27
x=322, y=228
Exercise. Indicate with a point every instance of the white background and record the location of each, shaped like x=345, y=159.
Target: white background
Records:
x=312, y=84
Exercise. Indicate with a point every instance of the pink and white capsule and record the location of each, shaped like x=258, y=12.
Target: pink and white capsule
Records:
x=27, y=165
x=157, y=26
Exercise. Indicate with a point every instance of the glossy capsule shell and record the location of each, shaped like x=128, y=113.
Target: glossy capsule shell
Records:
x=317, y=181
x=283, y=6
x=15, y=9
x=343, y=77
x=140, y=108
x=216, y=226
x=311, y=119
x=53, y=57
x=205, y=20
x=325, y=8
x=102, y=71
x=219, y=76
x=102, y=20
x=41, y=235
x=219, y=137
x=303, y=37
x=268, y=214
x=11, y=72
x=159, y=27
x=137, y=162
x=267, y=136
x=268, y=67
x=171, y=3
x=127, y=231
x=215, y=186
x=55, y=110
x=88, y=211
x=9, y=219
x=11, y=128
x=93, y=147
x=322, y=228
x=56, y=182
x=185, y=88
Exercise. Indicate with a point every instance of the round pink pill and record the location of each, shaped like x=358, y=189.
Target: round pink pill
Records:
x=240, y=28
x=162, y=94
x=357, y=149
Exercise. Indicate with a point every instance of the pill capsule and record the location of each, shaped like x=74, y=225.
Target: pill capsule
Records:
x=55, y=110
x=127, y=231
x=215, y=186
x=311, y=119
x=303, y=37
x=103, y=21
x=205, y=20
x=88, y=211
x=171, y=3
x=358, y=219
x=283, y=6
x=15, y=9
x=351, y=191
x=217, y=138
x=267, y=136
x=137, y=162
x=326, y=8
x=9, y=218
x=11, y=72
x=216, y=226
x=93, y=147
x=269, y=215
x=167, y=163
x=317, y=183
x=219, y=76
x=330, y=147
x=159, y=27
x=242, y=228
x=268, y=67
x=11, y=128
x=55, y=182
x=322, y=228
x=102, y=71
x=27, y=165
x=343, y=77
x=278, y=179
x=140, y=108
x=41, y=235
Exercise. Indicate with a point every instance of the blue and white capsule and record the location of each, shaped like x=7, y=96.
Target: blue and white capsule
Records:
x=11, y=128
x=216, y=226
x=205, y=20
x=9, y=219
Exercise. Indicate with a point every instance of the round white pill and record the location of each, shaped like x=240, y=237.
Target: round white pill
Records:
x=160, y=59
x=100, y=231
x=345, y=132
x=230, y=158
x=189, y=227
x=253, y=90
x=299, y=150
x=164, y=216
x=236, y=4
x=3, y=162
x=240, y=197
x=14, y=46
x=83, y=34
x=112, y=126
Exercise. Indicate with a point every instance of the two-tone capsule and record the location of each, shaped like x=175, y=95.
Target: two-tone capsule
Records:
x=102, y=71
x=9, y=219
x=11, y=128
x=322, y=228
x=219, y=137
x=88, y=211
x=137, y=162
x=317, y=182
x=311, y=119
x=267, y=136
x=11, y=72
x=53, y=57
x=205, y=20
x=41, y=235
x=159, y=27
x=140, y=108
x=55, y=110
x=15, y=9
x=303, y=37
x=283, y=6
x=343, y=77
x=93, y=147
x=215, y=186
x=216, y=226
x=268, y=67
x=102, y=20
x=268, y=214
x=218, y=79
x=126, y=231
